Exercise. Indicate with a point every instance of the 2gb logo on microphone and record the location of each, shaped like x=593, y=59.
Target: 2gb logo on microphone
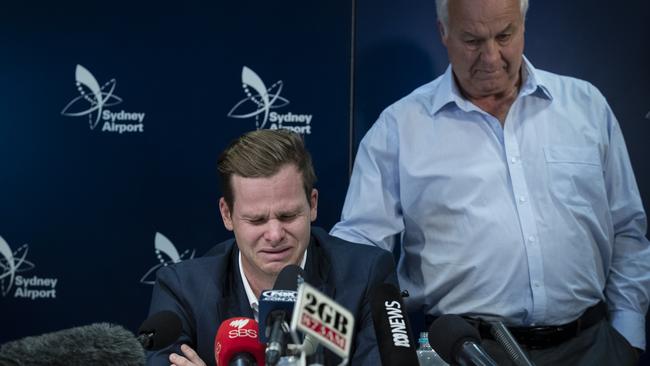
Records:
x=318, y=315
x=332, y=319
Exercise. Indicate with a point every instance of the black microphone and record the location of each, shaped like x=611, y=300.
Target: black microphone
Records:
x=95, y=344
x=392, y=327
x=288, y=278
x=159, y=330
x=458, y=342
x=278, y=312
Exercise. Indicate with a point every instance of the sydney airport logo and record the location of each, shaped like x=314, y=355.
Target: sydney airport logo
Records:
x=167, y=254
x=13, y=284
x=261, y=102
x=93, y=101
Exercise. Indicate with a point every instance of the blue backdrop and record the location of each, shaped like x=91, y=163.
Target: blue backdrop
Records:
x=81, y=204
x=87, y=200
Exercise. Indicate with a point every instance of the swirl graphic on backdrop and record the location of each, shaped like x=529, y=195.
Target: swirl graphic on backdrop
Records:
x=12, y=263
x=96, y=96
x=167, y=254
x=259, y=103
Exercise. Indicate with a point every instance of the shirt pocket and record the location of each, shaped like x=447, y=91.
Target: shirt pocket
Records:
x=575, y=175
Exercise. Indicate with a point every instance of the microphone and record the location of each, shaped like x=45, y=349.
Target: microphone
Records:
x=288, y=278
x=237, y=344
x=276, y=307
x=507, y=341
x=458, y=342
x=392, y=327
x=95, y=344
x=320, y=317
x=159, y=330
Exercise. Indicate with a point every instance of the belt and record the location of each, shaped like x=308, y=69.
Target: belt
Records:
x=543, y=336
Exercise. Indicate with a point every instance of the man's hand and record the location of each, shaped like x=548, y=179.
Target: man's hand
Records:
x=191, y=358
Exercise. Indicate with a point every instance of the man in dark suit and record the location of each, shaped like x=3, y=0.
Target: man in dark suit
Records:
x=269, y=203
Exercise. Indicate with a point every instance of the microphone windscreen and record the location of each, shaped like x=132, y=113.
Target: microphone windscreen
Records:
x=237, y=336
x=448, y=333
x=95, y=344
x=392, y=329
x=165, y=326
x=288, y=278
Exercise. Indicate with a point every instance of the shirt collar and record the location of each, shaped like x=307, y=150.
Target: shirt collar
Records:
x=253, y=301
x=533, y=82
x=449, y=92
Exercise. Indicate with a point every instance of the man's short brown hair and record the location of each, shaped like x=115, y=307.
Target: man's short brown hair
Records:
x=261, y=154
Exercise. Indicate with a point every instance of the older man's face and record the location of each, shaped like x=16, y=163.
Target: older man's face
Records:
x=485, y=44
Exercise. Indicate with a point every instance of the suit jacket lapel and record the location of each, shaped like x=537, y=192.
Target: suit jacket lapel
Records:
x=234, y=302
x=317, y=268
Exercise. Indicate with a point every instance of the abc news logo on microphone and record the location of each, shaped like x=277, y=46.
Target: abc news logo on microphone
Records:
x=398, y=327
x=321, y=317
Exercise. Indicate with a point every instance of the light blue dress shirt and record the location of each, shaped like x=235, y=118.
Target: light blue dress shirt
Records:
x=532, y=222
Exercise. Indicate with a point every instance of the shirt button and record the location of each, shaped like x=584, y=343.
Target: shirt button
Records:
x=536, y=284
x=522, y=199
x=514, y=160
x=531, y=239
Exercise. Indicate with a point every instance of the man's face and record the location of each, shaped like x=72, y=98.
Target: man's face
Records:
x=485, y=44
x=271, y=218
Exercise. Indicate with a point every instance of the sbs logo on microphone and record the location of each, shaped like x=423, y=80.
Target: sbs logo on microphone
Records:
x=239, y=331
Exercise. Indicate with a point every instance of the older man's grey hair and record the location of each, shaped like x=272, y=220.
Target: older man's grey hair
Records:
x=442, y=8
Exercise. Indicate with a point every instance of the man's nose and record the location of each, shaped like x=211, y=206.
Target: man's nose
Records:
x=490, y=52
x=274, y=231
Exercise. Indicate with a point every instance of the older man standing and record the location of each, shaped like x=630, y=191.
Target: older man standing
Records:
x=269, y=202
x=514, y=196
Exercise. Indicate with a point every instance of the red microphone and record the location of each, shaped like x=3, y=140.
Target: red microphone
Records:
x=237, y=343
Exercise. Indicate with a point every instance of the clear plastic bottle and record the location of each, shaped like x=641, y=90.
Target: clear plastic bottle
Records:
x=426, y=355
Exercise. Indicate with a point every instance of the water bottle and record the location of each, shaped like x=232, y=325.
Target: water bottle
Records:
x=288, y=361
x=426, y=355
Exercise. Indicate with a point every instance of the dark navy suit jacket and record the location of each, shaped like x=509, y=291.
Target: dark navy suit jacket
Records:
x=207, y=290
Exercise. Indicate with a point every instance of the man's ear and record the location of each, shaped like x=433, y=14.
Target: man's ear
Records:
x=313, y=203
x=226, y=215
x=443, y=33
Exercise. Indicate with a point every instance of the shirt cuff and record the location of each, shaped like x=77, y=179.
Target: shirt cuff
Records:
x=631, y=325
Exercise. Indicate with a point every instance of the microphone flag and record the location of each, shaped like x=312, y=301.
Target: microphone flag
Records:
x=318, y=315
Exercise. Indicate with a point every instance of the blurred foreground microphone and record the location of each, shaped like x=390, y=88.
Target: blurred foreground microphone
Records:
x=95, y=344
x=237, y=344
x=276, y=307
x=324, y=320
x=159, y=330
x=458, y=342
x=502, y=335
x=391, y=327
